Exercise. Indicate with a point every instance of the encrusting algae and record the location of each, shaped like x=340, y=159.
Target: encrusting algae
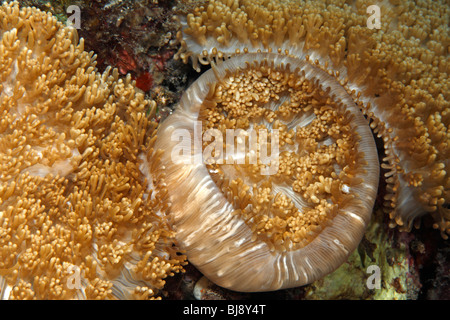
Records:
x=80, y=217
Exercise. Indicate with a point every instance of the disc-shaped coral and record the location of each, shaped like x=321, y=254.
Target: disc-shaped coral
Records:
x=271, y=171
x=78, y=216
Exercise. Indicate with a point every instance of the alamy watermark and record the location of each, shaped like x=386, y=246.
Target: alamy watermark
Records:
x=374, y=21
x=374, y=280
x=74, y=280
x=74, y=20
x=239, y=146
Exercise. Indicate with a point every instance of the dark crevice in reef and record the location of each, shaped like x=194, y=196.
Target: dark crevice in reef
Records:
x=431, y=255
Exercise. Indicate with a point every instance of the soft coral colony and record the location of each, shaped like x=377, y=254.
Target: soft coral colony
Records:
x=79, y=215
x=301, y=67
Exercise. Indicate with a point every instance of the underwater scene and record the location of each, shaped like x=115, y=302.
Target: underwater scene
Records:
x=224, y=150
